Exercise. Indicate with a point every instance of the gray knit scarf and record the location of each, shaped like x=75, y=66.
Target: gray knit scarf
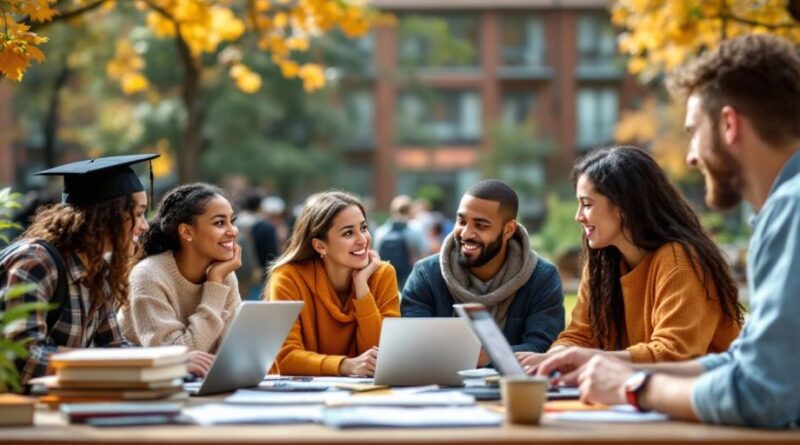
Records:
x=497, y=293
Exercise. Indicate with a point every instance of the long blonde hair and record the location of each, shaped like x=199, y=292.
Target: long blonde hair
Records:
x=314, y=221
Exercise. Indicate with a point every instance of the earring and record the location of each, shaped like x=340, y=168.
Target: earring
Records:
x=187, y=238
x=322, y=256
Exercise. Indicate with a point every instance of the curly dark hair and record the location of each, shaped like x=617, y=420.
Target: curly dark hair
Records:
x=654, y=213
x=85, y=230
x=182, y=205
x=758, y=75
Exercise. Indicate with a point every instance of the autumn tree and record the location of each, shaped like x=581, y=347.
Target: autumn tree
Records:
x=660, y=35
x=205, y=33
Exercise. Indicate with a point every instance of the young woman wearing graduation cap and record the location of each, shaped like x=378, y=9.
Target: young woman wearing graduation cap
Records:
x=78, y=254
x=184, y=290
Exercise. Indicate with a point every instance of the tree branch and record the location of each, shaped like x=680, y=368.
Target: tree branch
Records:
x=61, y=16
x=750, y=22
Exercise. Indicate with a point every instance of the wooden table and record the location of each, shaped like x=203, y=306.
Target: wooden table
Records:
x=50, y=428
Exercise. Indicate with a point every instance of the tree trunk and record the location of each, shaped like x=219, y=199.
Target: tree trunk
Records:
x=190, y=146
x=52, y=117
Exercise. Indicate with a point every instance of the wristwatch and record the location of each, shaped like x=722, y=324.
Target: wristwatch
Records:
x=634, y=386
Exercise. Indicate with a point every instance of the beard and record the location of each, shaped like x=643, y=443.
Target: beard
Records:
x=723, y=176
x=488, y=252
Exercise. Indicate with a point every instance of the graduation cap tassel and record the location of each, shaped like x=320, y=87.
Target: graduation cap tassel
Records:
x=150, y=204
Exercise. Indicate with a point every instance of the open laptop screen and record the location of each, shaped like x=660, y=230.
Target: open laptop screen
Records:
x=493, y=340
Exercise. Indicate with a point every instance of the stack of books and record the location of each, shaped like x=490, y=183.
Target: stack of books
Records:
x=95, y=375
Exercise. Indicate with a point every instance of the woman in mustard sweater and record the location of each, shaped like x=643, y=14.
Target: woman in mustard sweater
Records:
x=655, y=287
x=346, y=289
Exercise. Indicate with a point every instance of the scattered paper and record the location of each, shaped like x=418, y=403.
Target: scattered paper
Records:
x=254, y=397
x=349, y=417
x=221, y=414
x=615, y=414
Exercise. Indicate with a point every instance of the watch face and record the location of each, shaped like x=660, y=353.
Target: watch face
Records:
x=635, y=381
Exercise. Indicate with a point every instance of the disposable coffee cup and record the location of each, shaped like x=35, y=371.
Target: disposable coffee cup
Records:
x=523, y=398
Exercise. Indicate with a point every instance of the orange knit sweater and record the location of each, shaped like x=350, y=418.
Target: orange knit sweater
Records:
x=326, y=333
x=668, y=316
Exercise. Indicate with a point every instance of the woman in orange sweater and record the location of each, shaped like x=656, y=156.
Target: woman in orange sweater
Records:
x=655, y=287
x=346, y=289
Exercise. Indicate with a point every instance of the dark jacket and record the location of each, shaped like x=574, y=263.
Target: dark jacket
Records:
x=535, y=317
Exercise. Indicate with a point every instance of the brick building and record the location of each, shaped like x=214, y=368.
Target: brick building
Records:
x=547, y=62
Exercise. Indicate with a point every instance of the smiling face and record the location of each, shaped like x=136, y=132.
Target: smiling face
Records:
x=347, y=241
x=479, y=232
x=600, y=218
x=139, y=224
x=213, y=233
x=707, y=152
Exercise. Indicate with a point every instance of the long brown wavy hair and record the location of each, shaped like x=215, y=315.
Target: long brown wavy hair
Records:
x=314, y=221
x=85, y=230
x=654, y=213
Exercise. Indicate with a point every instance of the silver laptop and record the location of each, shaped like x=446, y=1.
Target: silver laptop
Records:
x=250, y=346
x=425, y=351
x=500, y=352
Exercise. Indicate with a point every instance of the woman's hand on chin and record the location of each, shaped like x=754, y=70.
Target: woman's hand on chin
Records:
x=361, y=276
x=218, y=270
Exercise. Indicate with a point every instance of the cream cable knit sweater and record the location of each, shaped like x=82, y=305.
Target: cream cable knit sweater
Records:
x=167, y=309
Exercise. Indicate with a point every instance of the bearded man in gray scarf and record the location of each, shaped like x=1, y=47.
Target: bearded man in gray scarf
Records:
x=487, y=259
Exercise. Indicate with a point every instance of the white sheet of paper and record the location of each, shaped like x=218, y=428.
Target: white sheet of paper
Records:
x=220, y=414
x=444, y=399
x=251, y=397
x=615, y=414
x=369, y=416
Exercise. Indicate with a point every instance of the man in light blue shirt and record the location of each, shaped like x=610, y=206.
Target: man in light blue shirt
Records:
x=743, y=116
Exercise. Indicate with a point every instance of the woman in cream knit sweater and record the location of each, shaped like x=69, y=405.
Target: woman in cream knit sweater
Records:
x=184, y=290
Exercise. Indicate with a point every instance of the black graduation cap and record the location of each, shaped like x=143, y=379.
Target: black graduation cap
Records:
x=94, y=180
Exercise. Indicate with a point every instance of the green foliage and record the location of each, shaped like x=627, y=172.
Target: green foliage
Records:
x=560, y=232
x=429, y=42
x=8, y=202
x=10, y=350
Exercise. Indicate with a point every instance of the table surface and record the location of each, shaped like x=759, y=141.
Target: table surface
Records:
x=51, y=428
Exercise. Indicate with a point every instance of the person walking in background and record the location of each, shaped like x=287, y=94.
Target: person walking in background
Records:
x=397, y=242
x=655, y=288
x=742, y=114
x=273, y=208
x=487, y=259
x=346, y=288
x=78, y=255
x=259, y=243
x=184, y=290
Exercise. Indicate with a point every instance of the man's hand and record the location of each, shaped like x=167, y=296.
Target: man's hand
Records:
x=363, y=365
x=567, y=362
x=602, y=380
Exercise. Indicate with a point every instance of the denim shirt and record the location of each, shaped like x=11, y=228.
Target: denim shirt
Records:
x=757, y=381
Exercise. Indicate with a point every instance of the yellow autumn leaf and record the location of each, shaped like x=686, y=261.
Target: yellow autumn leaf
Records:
x=133, y=82
x=289, y=68
x=313, y=77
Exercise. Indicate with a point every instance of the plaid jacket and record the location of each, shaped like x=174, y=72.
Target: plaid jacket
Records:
x=32, y=264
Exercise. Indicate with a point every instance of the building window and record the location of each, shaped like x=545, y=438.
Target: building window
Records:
x=597, y=110
x=359, y=110
x=596, y=40
x=518, y=107
x=441, y=116
x=523, y=41
x=436, y=41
